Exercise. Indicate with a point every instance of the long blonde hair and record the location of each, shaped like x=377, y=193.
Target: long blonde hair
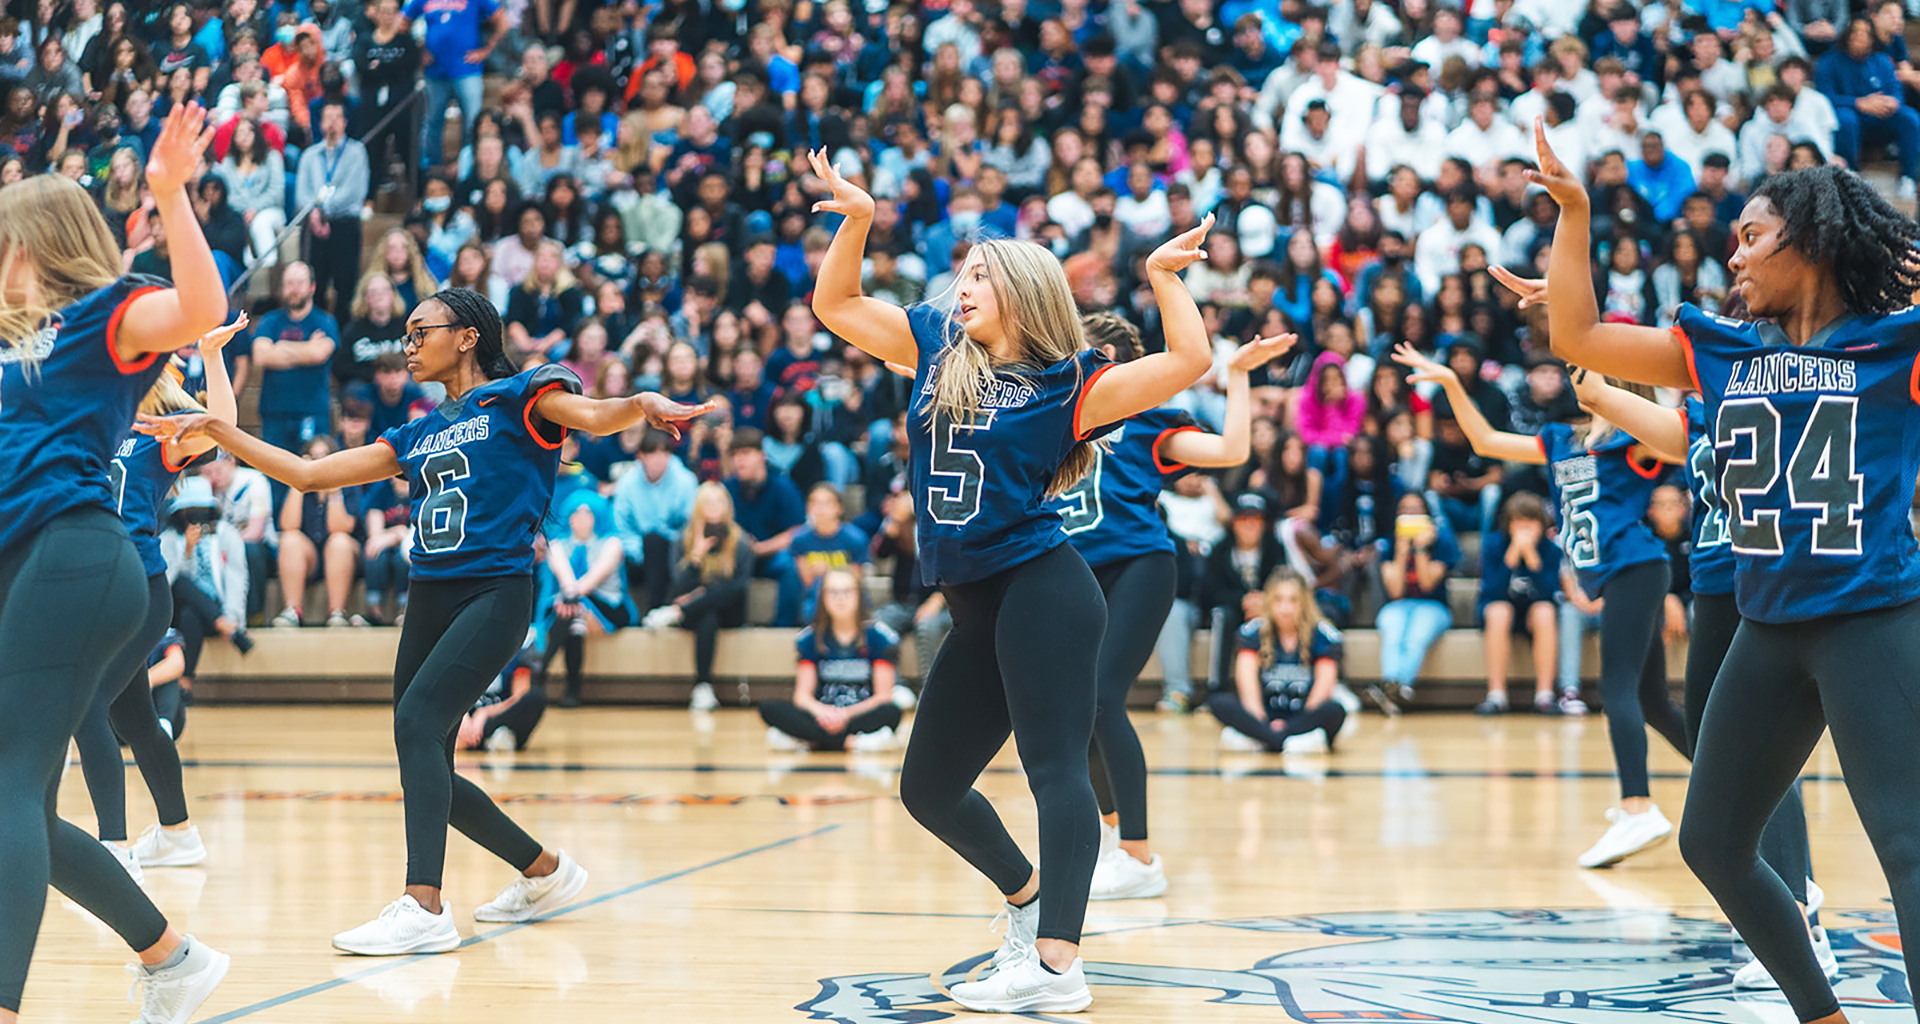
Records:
x=1038, y=314
x=167, y=396
x=423, y=280
x=51, y=222
x=719, y=562
x=1309, y=614
x=1600, y=428
x=563, y=278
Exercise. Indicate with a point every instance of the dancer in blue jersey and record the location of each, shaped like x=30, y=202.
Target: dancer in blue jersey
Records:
x=142, y=473
x=1602, y=479
x=481, y=471
x=1007, y=403
x=79, y=346
x=1113, y=520
x=1814, y=410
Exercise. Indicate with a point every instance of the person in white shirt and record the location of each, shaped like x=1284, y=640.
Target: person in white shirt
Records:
x=1597, y=108
x=1775, y=117
x=1349, y=98
x=1619, y=129
x=1405, y=140
x=1303, y=63
x=958, y=28
x=1812, y=109
x=1698, y=133
x=1564, y=134
x=1533, y=103
x=1437, y=251
x=1358, y=23
x=1405, y=207
x=1484, y=140
x=1446, y=41
x=1143, y=207
x=1575, y=78
x=1718, y=75
x=1073, y=209
x=1313, y=137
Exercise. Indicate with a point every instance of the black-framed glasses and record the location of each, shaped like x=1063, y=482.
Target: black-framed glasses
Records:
x=417, y=336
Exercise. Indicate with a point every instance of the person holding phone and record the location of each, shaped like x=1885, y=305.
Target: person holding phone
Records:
x=1416, y=613
x=713, y=565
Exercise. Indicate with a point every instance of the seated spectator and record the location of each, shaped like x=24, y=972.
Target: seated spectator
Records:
x=318, y=540
x=166, y=666
x=651, y=503
x=393, y=395
x=1416, y=612
x=256, y=181
x=1519, y=574
x=1285, y=671
x=771, y=512
x=543, y=312
x=1579, y=618
x=1669, y=513
x=225, y=228
x=791, y=446
x=1327, y=413
x=246, y=504
x=1195, y=513
x=389, y=530
x=402, y=262
x=584, y=591
x=505, y=716
x=378, y=328
x=1235, y=571
x=713, y=561
x=207, y=562
x=1467, y=483
x=826, y=543
x=1867, y=97
x=843, y=684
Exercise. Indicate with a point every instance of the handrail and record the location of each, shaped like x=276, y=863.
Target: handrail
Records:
x=294, y=223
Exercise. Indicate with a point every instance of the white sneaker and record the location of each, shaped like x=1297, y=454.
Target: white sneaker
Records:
x=1118, y=876
x=127, y=858
x=1026, y=987
x=879, y=739
x=903, y=697
x=170, y=996
x=402, y=928
x=703, y=698
x=777, y=740
x=664, y=617
x=1239, y=742
x=161, y=848
x=1109, y=841
x=527, y=898
x=287, y=619
x=1816, y=897
x=1755, y=976
x=1314, y=742
x=1571, y=705
x=1023, y=925
x=1628, y=835
x=501, y=741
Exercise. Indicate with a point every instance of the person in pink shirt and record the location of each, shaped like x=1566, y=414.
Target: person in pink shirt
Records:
x=1328, y=412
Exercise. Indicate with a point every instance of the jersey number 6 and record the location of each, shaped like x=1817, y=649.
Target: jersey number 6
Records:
x=443, y=514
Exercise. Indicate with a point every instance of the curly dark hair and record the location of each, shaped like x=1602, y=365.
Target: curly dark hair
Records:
x=472, y=309
x=1838, y=221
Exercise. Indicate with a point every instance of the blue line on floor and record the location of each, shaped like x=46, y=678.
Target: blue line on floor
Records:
x=399, y=962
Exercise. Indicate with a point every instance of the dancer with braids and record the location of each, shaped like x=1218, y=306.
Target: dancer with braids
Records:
x=142, y=472
x=1813, y=406
x=1603, y=478
x=1008, y=400
x=79, y=346
x=481, y=469
x=1112, y=520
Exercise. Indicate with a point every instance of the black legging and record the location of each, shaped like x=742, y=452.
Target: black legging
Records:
x=129, y=712
x=1783, y=846
x=787, y=717
x=1226, y=707
x=71, y=597
x=1139, y=594
x=706, y=615
x=521, y=718
x=1633, y=671
x=1020, y=659
x=561, y=639
x=194, y=614
x=459, y=635
x=1857, y=674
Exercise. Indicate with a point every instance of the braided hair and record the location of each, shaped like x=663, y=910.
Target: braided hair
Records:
x=472, y=309
x=1839, y=222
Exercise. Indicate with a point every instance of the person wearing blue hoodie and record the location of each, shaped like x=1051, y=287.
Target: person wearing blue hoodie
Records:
x=651, y=504
x=1865, y=90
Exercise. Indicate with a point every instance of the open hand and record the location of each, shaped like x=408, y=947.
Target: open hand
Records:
x=1563, y=185
x=1532, y=290
x=176, y=428
x=1261, y=351
x=1425, y=370
x=1182, y=250
x=849, y=200
x=665, y=414
x=176, y=153
x=215, y=340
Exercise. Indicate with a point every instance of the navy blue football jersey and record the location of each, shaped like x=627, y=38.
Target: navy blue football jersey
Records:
x=62, y=419
x=1602, y=493
x=1111, y=513
x=845, y=671
x=1286, y=678
x=980, y=488
x=141, y=478
x=481, y=476
x=1711, y=558
x=1816, y=450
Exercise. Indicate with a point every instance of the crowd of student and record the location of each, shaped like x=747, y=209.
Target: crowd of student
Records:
x=625, y=182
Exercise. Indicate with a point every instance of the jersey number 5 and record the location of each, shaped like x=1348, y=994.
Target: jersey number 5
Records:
x=1583, y=540
x=1822, y=476
x=443, y=514
x=1080, y=507
x=117, y=479
x=957, y=503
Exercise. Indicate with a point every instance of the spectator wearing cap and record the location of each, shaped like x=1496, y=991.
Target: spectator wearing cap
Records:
x=1236, y=569
x=460, y=36
x=1663, y=181
x=770, y=509
x=207, y=563
x=1866, y=92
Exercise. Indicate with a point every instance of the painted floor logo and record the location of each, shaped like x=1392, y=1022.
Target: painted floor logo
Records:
x=1463, y=967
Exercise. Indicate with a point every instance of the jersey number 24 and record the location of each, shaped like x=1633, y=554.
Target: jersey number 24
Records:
x=1823, y=475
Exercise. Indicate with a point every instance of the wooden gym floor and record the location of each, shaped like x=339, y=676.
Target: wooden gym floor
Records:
x=1424, y=872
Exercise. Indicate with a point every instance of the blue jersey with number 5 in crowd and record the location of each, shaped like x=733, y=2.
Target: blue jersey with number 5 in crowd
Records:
x=1817, y=446
x=482, y=474
x=979, y=489
x=1602, y=492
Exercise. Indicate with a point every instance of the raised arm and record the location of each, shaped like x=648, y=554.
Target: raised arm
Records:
x=1151, y=380
x=1230, y=446
x=363, y=465
x=1646, y=354
x=169, y=319
x=1660, y=430
x=608, y=416
x=220, y=401
x=876, y=327
x=1494, y=444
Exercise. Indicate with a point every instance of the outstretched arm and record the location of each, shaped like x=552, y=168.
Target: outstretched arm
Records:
x=1494, y=444
x=1660, y=430
x=220, y=401
x=1230, y=446
x=1151, y=380
x=609, y=416
x=876, y=327
x=169, y=319
x=363, y=465
x=1646, y=354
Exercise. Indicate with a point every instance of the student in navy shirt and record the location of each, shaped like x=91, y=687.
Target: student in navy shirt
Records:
x=1869, y=101
x=456, y=53
x=752, y=393
x=291, y=351
x=393, y=393
x=826, y=543
x=1285, y=674
x=769, y=508
x=1007, y=403
x=481, y=470
x=1826, y=568
x=1112, y=518
x=79, y=347
x=1519, y=575
x=843, y=682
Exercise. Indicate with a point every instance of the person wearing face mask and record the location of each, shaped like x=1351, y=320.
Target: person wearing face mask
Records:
x=965, y=212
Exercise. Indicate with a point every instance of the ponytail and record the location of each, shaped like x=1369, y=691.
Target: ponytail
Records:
x=472, y=309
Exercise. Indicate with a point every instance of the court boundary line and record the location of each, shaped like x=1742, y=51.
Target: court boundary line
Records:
x=395, y=963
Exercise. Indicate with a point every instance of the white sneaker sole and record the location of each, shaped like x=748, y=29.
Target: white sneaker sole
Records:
x=184, y=859
x=203, y=985
x=1152, y=888
x=1045, y=1002
x=424, y=944
x=1623, y=855
x=547, y=904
